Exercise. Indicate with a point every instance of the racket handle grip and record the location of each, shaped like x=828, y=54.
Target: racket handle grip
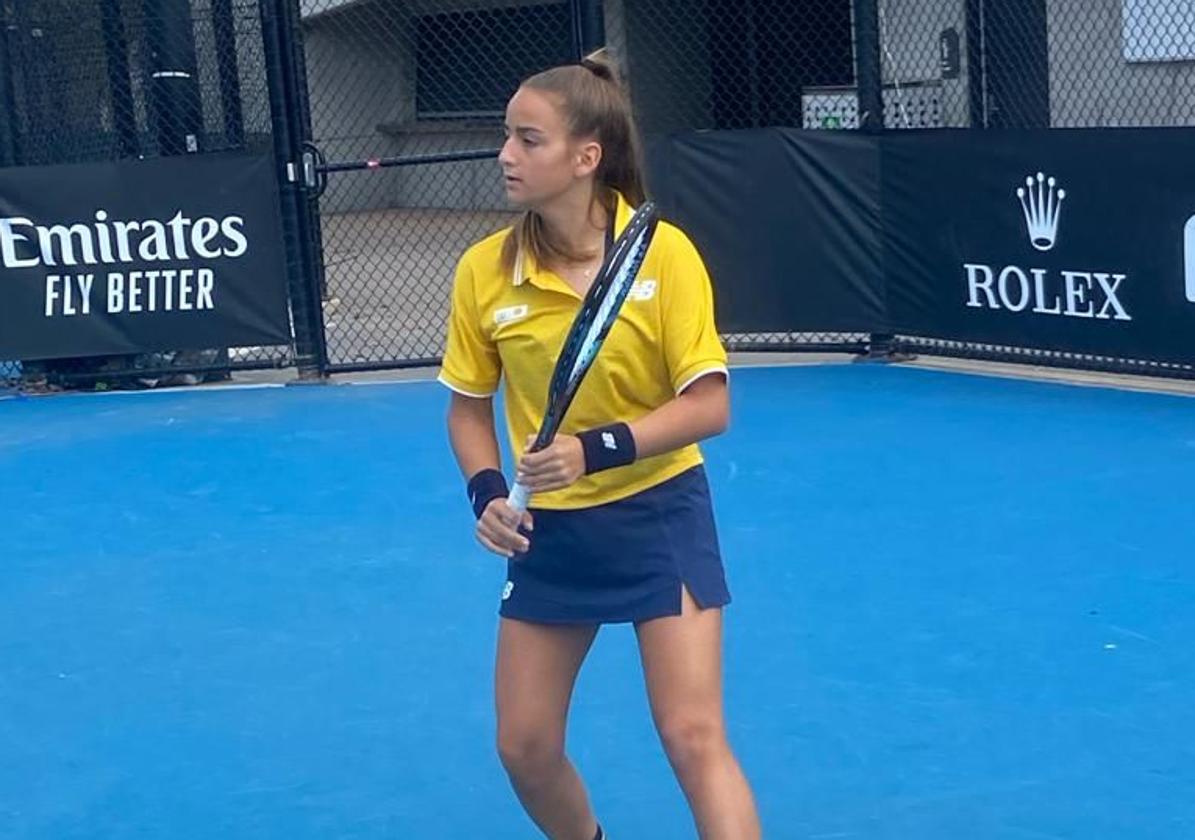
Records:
x=519, y=497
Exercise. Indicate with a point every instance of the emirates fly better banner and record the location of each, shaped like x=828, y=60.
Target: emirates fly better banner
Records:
x=171, y=254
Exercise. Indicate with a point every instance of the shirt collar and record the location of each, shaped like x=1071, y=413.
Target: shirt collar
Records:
x=525, y=267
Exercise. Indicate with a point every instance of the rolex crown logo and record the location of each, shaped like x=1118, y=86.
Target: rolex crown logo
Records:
x=1042, y=204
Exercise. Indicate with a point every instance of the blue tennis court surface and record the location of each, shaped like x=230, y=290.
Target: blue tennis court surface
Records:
x=964, y=607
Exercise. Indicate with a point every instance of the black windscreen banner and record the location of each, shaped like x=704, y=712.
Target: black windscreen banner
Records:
x=168, y=254
x=1068, y=240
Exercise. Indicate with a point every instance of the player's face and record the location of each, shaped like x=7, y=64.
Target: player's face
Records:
x=540, y=160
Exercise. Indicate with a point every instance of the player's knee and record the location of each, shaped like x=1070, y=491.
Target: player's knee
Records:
x=692, y=741
x=528, y=754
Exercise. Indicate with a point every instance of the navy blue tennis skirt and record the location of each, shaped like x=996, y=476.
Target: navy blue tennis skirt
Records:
x=622, y=561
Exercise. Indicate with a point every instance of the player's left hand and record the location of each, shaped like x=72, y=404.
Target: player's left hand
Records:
x=554, y=468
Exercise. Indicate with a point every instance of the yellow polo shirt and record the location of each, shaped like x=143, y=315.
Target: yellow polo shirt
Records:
x=511, y=328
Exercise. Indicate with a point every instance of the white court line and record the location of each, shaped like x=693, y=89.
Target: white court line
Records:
x=1048, y=377
x=173, y=389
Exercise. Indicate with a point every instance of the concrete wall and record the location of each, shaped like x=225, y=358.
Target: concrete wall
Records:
x=1093, y=84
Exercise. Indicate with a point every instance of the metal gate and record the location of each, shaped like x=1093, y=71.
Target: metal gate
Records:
x=402, y=107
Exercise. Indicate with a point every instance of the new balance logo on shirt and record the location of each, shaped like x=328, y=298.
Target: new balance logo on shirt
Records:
x=509, y=314
x=642, y=290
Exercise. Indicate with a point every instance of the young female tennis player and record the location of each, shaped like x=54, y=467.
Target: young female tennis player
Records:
x=621, y=527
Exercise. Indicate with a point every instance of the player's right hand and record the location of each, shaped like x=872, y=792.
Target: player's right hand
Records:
x=498, y=529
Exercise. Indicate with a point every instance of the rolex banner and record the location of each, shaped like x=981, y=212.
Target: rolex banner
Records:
x=1069, y=240
x=170, y=254
x=1075, y=240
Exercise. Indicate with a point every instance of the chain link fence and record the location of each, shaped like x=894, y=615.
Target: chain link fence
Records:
x=391, y=84
x=709, y=64
x=943, y=63
x=112, y=80
x=391, y=79
x=1038, y=63
x=117, y=79
x=402, y=103
x=10, y=372
x=1041, y=357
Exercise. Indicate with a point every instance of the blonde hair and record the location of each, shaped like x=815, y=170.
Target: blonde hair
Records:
x=595, y=105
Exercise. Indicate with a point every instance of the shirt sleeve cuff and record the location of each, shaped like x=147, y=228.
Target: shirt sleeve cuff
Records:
x=697, y=371
x=465, y=388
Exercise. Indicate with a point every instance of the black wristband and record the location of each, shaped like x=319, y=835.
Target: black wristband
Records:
x=484, y=487
x=607, y=447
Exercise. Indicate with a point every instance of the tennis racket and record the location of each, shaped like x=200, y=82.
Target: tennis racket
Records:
x=599, y=311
